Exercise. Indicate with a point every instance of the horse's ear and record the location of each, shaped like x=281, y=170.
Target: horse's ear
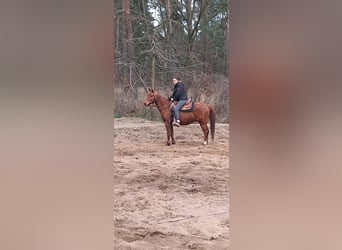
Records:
x=152, y=90
x=149, y=89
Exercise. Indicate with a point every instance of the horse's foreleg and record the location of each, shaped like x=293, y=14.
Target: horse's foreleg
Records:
x=205, y=132
x=171, y=130
x=168, y=128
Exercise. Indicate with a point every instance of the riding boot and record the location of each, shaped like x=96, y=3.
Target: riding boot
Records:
x=176, y=123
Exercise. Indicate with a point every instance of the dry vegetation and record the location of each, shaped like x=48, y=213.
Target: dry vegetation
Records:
x=213, y=90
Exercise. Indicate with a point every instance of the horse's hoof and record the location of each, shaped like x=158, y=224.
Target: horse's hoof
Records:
x=173, y=142
x=168, y=144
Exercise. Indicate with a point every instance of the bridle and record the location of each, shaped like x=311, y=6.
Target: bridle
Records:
x=154, y=98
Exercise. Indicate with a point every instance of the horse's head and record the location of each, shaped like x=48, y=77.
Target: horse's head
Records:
x=150, y=98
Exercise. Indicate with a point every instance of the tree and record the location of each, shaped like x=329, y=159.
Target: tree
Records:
x=186, y=36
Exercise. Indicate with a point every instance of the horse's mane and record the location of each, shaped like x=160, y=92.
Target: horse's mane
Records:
x=157, y=94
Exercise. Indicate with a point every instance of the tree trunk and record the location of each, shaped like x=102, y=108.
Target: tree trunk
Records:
x=152, y=81
x=227, y=44
x=168, y=17
x=153, y=71
x=128, y=52
x=205, y=36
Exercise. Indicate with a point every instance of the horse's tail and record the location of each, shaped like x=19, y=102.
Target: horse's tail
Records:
x=212, y=117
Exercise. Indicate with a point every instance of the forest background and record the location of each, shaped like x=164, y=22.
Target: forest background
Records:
x=154, y=40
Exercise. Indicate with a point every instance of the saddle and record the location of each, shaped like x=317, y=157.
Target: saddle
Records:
x=188, y=106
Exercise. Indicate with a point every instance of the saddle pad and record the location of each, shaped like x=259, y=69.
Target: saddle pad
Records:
x=188, y=106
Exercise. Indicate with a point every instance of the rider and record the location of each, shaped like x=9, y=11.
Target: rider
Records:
x=179, y=94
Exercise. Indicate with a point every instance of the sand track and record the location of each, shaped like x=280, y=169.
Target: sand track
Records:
x=172, y=197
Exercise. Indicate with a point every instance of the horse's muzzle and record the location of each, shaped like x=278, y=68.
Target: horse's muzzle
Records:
x=146, y=103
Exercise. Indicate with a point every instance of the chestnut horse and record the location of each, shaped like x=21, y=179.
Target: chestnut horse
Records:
x=201, y=113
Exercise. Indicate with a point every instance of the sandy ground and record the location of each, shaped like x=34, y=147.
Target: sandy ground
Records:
x=172, y=197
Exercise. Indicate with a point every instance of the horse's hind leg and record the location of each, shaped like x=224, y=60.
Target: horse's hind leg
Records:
x=205, y=132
